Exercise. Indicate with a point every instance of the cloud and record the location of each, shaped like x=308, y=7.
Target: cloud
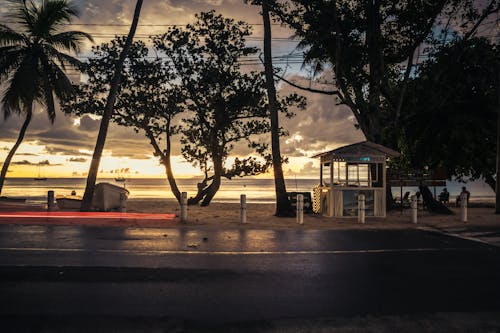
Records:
x=26, y=162
x=309, y=168
x=68, y=137
x=23, y=162
x=26, y=154
x=77, y=159
x=322, y=126
x=89, y=124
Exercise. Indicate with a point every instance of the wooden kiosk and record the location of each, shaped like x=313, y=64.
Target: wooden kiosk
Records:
x=348, y=171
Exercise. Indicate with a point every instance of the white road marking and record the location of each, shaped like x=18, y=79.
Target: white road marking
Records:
x=485, y=240
x=167, y=252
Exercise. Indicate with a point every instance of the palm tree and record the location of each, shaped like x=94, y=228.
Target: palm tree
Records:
x=32, y=61
x=283, y=205
x=108, y=112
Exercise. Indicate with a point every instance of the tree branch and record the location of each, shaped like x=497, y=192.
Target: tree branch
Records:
x=327, y=92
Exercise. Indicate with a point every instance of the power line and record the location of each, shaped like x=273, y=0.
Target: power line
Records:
x=139, y=25
x=250, y=38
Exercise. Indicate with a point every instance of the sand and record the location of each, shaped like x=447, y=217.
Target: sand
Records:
x=261, y=216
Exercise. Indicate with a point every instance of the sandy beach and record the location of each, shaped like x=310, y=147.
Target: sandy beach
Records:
x=261, y=216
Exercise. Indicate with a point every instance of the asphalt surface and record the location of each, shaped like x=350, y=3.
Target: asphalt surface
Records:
x=216, y=277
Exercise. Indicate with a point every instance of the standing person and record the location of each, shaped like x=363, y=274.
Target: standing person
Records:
x=464, y=191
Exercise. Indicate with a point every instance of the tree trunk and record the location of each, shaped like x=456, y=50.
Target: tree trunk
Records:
x=431, y=203
x=13, y=150
x=283, y=205
x=215, y=185
x=168, y=170
x=497, y=186
x=202, y=191
x=376, y=68
x=108, y=112
x=165, y=160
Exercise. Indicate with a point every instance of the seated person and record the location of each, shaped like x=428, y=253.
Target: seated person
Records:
x=444, y=196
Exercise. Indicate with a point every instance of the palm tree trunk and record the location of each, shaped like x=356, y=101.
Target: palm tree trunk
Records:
x=108, y=112
x=497, y=186
x=13, y=150
x=283, y=205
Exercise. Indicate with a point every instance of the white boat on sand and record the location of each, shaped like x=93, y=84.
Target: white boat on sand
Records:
x=69, y=202
x=106, y=197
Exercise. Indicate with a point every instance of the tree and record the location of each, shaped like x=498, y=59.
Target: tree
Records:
x=107, y=114
x=451, y=122
x=225, y=106
x=497, y=186
x=366, y=43
x=147, y=98
x=33, y=62
x=283, y=205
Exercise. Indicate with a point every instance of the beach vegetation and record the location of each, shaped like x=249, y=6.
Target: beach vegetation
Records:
x=34, y=55
x=283, y=205
x=108, y=111
x=193, y=89
x=374, y=49
x=148, y=99
x=224, y=105
x=451, y=120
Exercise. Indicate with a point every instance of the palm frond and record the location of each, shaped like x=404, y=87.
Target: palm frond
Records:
x=54, y=13
x=62, y=58
x=34, y=71
x=10, y=37
x=69, y=40
x=24, y=13
x=22, y=84
x=61, y=84
x=11, y=101
x=10, y=58
x=46, y=97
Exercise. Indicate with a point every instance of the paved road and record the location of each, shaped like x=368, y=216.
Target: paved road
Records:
x=233, y=275
x=486, y=234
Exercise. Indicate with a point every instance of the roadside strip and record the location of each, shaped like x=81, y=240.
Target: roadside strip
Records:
x=231, y=253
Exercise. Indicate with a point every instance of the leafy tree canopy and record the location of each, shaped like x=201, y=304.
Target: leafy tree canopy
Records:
x=198, y=77
x=450, y=120
x=225, y=105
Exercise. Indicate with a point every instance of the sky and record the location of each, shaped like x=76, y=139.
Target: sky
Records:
x=64, y=149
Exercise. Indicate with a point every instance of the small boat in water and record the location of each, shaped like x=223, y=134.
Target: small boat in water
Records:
x=39, y=175
x=120, y=179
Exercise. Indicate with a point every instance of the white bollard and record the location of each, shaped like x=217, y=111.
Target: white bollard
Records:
x=300, y=208
x=184, y=212
x=414, y=208
x=123, y=203
x=51, y=205
x=243, y=208
x=463, y=207
x=361, y=208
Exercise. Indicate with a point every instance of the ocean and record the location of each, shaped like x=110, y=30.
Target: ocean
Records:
x=257, y=190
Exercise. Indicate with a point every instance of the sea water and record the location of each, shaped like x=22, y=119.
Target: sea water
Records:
x=256, y=190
